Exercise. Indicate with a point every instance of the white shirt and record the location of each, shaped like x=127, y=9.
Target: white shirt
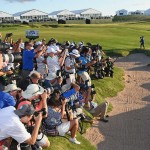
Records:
x=53, y=64
x=69, y=62
x=41, y=67
x=11, y=126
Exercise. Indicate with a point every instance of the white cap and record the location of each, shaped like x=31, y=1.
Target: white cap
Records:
x=11, y=87
x=75, y=52
x=51, y=76
x=38, y=43
x=32, y=90
x=22, y=45
x=51, y=50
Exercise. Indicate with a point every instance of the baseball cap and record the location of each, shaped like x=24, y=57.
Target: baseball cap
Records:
x=51, y=50
x=25, y=110
x=32, y=90
x=11, y=87
x=75, y=52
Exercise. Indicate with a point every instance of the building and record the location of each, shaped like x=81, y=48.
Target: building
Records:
x=88, y=13
x=5, y=17
x=30, y=15
x=137, y=12
x=147, y=12
x=122, y=12
x=62, y=14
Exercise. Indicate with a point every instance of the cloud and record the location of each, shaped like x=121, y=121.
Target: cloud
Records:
x=20, y=1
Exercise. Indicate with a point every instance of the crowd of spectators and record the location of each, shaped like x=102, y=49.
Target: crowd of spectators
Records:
x=51, y=88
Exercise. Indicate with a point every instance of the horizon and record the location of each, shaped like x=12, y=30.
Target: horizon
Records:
x=48, y=6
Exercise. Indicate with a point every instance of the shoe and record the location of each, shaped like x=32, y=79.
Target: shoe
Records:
x=104, y=120
x=74, y=140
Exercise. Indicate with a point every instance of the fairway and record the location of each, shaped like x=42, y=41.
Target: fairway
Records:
x=113, y=37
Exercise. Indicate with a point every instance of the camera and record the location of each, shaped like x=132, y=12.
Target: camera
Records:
x=49, y=90
x=9, y=34
x=12, y=58
x=43, y=110
x=36, y=101
x=4, y=47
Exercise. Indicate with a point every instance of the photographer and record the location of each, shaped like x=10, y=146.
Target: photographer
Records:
x=54, y=62
x=33, y=78
x=10, y=96
x=29, y=53
x=85, y=64
x=70, y=65
x=11, y=124
x=95, y=109
x=35, y=95
x=56, y=111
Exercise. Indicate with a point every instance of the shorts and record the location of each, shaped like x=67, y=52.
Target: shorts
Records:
x=63, y=128
x=41, y=140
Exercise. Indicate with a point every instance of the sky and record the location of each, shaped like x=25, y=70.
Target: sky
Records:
x=107, y=7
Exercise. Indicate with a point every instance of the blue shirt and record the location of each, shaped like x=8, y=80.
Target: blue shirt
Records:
x=6, y=100
x=28, y=59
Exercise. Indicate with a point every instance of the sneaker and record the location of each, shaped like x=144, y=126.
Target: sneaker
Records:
x=104, y=120
x=74, y=140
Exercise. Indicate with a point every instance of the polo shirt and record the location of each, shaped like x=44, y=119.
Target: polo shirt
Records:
x=6, y=100
x=11, y=126
x=28, y=59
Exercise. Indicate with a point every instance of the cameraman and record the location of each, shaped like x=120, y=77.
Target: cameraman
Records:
x=35, y=95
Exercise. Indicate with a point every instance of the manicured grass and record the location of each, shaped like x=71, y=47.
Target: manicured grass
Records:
x=114, y=37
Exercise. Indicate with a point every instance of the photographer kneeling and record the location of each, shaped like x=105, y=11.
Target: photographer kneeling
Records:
x=36, y=95
x=56, y=112
x=12, y=124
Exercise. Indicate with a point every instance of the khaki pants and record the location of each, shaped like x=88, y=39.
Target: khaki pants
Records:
x=100, y=110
